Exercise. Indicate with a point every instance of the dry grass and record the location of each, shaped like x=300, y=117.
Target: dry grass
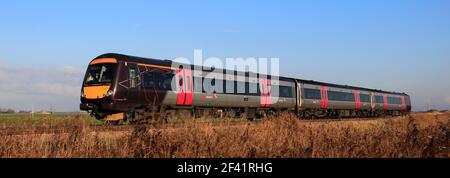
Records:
x=416, y=136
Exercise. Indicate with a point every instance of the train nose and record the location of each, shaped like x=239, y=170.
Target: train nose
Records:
x=96, y=92
x=86, y=107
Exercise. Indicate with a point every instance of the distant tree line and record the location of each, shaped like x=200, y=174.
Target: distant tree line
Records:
x=7, y=111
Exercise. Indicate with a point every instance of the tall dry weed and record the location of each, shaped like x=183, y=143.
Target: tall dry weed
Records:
x=417, y=136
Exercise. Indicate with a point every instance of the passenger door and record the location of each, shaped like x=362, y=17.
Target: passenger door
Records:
x=299, y=95
x=372, y=100
x=184, y=83
x=133, y=79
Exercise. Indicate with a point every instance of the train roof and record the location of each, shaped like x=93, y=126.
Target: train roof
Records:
x=348, y=87
x=122, y=57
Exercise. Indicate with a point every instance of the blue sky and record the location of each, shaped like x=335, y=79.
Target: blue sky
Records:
x=401, y=45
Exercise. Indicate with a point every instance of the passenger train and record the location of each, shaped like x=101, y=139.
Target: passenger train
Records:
x=121, y=87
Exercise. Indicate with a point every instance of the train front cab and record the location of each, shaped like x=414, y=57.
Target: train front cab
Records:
x=98, y=88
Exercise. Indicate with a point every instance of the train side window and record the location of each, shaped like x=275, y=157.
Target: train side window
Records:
x=166, y=82
x=228, y=87
x=394, y=100
x=334, y=96
x=169, y=80
x=365, y=98
x=253, y=89
x=286, y=91
x=312, y=94
x=379, y=99
x=149, y=81
x=350, y=97
x=240, y=88
x=158, y=81
x=341, y=96
x=211, y=85
x=133, y=78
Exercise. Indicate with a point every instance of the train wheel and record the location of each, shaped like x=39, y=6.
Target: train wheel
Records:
x=250, y=114
x=359, y=114
x=340, y=114
x=231, y=113
x=136, y=117
x=307, y=115
x=300, y=115
x=321, y=113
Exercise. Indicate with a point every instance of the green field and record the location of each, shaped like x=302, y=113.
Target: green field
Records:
x=37, y=119
x=60, y=118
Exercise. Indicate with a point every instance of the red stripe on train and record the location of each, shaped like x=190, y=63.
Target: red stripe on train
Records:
x=262, y=90
x=179, y=76
x=268, y=93
x=403, y=103
x=184, y=85
x=264, y=85
x=324, y=96
x=357, y=100
x=188, y=87
x=385, y=98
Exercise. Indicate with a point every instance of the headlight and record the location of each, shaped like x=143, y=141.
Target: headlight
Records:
x=82, y=94
x=110, y=93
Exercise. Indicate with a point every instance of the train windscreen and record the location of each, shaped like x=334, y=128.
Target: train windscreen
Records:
x=100, y=74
